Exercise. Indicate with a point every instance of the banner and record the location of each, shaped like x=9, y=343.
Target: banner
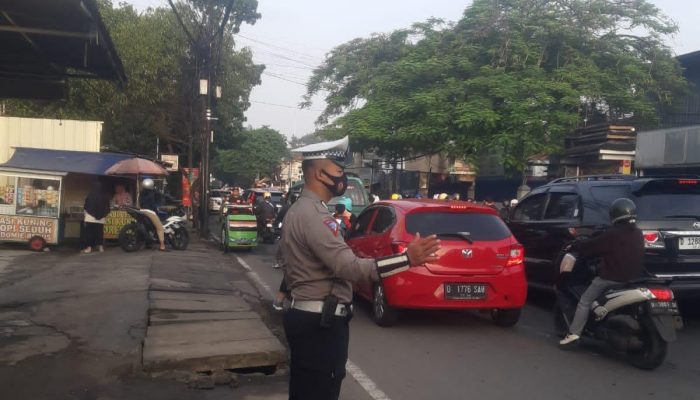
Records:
x=187, y=178
x=22, y=228
x=172, y=160
x=115, y=221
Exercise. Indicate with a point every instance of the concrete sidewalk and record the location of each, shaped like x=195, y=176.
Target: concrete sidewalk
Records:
x=72, y=326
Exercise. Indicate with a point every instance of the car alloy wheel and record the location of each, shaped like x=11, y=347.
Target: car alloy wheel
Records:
x=382, y=313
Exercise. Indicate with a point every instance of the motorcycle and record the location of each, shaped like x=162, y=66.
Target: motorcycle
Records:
x=638, y=318
x=268, y=231
x=142, y=232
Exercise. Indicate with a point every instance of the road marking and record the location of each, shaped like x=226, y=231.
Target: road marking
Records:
x=256, y=277
x=368, y=384
x=365, y=381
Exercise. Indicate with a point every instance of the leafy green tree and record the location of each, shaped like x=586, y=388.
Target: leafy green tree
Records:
x=160, y=99
x=511, y=76
x=259, y=155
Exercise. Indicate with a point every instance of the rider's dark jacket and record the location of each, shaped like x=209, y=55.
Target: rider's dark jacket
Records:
x=621, y=249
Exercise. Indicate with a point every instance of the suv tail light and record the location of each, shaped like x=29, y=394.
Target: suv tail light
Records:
x=662, y=294
x=399, y=247
x=653, y=240
x=516, y=256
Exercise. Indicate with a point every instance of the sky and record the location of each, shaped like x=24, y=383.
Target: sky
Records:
x=292, y=37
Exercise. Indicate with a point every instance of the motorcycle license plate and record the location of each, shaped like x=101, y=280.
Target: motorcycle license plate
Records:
x=689, y=243
x=663, y=307
x=465, y=291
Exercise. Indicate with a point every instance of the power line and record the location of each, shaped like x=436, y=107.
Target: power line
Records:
x=283, y=78
x=284, y=57
x=285, y=106
x=298, y=53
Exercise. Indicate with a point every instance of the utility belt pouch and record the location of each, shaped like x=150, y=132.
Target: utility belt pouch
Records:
x=330, y=304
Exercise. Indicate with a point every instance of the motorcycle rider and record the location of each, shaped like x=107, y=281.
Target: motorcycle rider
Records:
x=265, y=211
x=148, y=203
x=621, y=249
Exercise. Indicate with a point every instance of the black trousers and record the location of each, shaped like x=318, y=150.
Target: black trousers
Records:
x=318, y=355
x=92, y=234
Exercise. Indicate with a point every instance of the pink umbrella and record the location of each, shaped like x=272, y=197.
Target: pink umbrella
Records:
x=136, y=166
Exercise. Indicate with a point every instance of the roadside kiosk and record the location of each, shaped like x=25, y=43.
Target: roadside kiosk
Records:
x=42, y=193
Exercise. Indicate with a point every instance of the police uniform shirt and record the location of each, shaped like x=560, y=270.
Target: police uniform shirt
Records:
x=316, y=258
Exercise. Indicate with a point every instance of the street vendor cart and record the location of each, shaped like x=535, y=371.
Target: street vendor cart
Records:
x=42, y=193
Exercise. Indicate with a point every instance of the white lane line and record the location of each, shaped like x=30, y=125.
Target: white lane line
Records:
x=368, y=384
x=365, y=381
x=256, y=277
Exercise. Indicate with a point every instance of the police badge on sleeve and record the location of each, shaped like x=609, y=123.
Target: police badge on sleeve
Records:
x=333, y=225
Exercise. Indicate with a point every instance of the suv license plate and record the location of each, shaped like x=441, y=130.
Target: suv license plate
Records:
x=689, y=243
x=465, y=291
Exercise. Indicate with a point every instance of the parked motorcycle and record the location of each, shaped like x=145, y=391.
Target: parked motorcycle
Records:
x=142, y=232
x=637, y=318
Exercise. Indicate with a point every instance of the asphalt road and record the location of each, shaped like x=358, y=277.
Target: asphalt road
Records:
x=460, y=355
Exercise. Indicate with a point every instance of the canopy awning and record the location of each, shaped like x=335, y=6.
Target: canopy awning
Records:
x=59, y=161
x=44, y=42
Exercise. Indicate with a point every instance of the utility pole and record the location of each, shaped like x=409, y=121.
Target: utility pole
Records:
x=202, y=48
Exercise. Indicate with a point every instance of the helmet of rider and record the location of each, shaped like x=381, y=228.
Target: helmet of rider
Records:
x=442, y=196
x=267, y=195
x=623, y=210
x=346, y=201
x=148, y=183
x=395, y=196
x=294, y=197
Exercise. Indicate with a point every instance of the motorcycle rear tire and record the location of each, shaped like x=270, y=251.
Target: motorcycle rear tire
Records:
x=129, y=239
x=653, y=354
x=180, y=239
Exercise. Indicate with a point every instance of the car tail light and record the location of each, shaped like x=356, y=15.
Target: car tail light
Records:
x=687, y=181
x=516, y=255
x=662, y=294
x=653, y=240
x=399, y=247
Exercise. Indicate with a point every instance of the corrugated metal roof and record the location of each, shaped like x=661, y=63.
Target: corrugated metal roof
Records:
x=81, y=162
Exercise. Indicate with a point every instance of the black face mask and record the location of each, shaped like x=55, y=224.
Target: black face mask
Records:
x=336, y=189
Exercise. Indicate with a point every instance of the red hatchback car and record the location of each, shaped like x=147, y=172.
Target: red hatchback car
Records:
x=480, y=263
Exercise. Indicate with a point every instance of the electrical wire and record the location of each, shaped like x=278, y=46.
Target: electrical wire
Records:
x=298, y=53
x=285, y=106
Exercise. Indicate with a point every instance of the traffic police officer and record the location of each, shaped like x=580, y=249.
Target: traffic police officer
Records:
x=319, y=269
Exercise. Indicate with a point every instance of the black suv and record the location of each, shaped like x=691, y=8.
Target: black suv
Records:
x=668, y=212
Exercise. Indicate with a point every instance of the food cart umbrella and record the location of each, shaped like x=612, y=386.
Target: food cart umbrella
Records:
x=136, y=166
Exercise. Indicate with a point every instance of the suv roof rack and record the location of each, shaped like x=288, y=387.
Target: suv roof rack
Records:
x=581, y=178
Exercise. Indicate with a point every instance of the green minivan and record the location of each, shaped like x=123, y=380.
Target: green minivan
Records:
x=356, y=192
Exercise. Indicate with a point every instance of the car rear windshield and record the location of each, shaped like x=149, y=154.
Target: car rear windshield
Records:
x=669, y=198
x=481, y=227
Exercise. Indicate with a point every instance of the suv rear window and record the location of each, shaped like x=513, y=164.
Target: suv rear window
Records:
x=669, y=198
x=482, y=227
x=355, y=193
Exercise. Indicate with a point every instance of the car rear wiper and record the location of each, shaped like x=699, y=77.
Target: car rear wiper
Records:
x=462, y=235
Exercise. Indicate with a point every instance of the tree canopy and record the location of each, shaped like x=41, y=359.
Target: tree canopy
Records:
x=511, y=76
x=161, y=98
x=258, y=155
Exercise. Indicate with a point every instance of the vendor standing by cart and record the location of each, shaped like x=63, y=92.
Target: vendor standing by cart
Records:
x=96, y=209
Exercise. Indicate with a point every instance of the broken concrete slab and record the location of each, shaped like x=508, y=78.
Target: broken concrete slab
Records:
x=184, y=302
x=211, y=345
x=169, y=318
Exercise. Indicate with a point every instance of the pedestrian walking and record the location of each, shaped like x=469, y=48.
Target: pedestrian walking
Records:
x=319, y=269
x=96, y=208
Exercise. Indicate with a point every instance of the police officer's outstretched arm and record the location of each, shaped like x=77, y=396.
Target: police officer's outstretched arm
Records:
x=331, y=249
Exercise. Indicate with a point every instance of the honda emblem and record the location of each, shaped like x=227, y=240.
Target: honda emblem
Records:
x=467, y=253
x=696, y=225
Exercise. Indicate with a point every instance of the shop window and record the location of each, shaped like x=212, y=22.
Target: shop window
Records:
x=7, y=193
x=37, y=197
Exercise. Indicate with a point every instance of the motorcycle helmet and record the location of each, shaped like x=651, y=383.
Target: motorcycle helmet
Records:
x=267, y=195
x=395, y=196
x=148, y=183
x=623, y=210
x=294, y=197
